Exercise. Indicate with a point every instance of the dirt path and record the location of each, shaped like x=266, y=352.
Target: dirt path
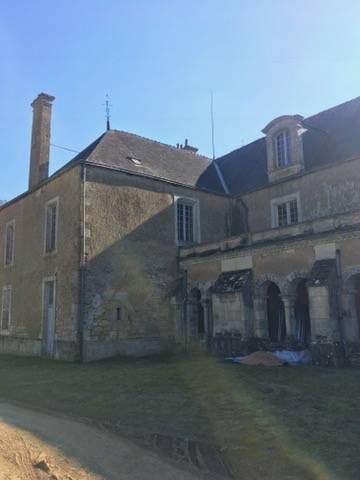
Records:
x=64, y=449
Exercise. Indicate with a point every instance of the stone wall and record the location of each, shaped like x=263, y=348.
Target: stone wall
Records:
x=31, y=266
x=132, y=256
x=285, y=261
x=328, y=191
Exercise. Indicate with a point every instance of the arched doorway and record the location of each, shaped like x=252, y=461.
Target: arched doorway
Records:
x=197, y=320
x=302, y=328
x=275, y=314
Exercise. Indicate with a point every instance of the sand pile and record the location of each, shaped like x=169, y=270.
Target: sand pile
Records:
x=261, y=358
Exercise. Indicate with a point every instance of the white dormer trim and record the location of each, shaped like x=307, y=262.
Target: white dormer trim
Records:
x=291, y=125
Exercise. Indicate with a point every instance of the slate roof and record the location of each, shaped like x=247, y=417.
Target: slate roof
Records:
x=322, y=272
x=229, y=282
x=332, y=135
x=116, y=149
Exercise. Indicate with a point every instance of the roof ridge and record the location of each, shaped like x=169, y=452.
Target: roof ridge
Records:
x=314, y=116
x=87, y=151
x=161, y=143
x=340, y=105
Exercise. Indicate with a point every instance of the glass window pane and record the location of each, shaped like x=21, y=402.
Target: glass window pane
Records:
x=282, y=215
x=180, y=221
x=293, y=211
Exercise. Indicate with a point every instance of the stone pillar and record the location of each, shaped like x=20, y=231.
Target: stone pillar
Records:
x=288, y=301
x=320, y=318
x=206, y=305
x=326, y=347
x=260, y=318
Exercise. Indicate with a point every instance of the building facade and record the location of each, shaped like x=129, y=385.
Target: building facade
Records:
x=134, y=246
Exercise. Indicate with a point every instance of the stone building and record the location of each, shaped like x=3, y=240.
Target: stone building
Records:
x=135, y=246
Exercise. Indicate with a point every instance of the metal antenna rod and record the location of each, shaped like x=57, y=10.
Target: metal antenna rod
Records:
x=212, y=126
x=107, y=109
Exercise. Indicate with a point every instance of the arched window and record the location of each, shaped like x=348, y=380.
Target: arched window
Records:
x=283, y=150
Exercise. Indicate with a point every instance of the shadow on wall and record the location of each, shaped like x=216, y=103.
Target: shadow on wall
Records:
x=132, y=260
x=127, y=284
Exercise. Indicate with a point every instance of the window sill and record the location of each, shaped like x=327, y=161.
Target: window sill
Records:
x=187, y=244
x=282, y=172
x=51, y=253
x=285, y=226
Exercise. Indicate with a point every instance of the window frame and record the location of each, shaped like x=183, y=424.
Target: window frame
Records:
x=286, y=145
x=6, y=288
x=195, y=204
x=287, y=199
x=53, y=201
x=9, y=224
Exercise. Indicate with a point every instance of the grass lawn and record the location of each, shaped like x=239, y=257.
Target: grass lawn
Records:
x=271, y=423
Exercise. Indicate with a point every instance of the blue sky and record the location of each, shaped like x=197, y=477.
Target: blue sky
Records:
x=159, y=59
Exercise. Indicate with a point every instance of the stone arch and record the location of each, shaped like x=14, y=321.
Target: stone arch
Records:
x=348, y=273
x=264, y=311
x=202, y=287
x=262, y=282
x=296, y=294
x=292, y=281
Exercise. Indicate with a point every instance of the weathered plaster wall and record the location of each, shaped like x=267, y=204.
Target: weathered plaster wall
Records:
x=31, y=266
x=325, y=192
x=132, y=256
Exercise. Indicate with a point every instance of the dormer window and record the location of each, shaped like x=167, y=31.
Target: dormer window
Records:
x=283, y=151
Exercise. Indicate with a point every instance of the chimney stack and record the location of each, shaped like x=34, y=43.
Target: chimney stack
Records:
x=188, y=147
x=40, y=139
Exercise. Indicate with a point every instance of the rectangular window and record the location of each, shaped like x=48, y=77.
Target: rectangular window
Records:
x=282, y=215
x=6, y=308
x=186, y=213
x=118, y=314
x=293, y=211
x=51, y=226
x=287, y=213
x=283, y=149
x=9, y=243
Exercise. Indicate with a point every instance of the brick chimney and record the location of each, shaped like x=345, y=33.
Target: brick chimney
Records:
x=40, y=139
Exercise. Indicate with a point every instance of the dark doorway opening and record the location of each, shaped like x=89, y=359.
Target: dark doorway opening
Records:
x=197, y=320
x=302, y=316
x=275, y=314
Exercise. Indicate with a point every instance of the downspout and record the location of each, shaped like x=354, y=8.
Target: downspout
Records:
x=82, y=261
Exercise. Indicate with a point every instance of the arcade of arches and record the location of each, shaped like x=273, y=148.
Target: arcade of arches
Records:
x=278, y=314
